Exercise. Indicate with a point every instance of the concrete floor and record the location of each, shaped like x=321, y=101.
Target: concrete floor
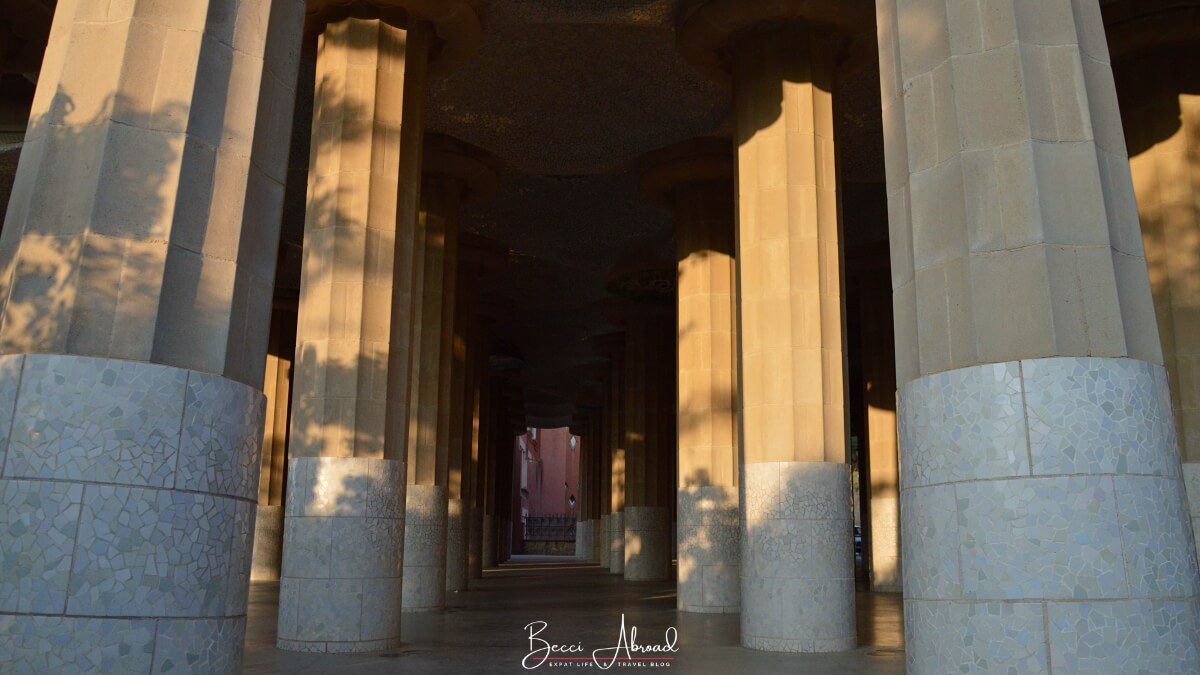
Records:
x=483, y=630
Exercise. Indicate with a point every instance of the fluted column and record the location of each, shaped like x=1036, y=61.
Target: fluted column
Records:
x=1042, y=502
x=647, y=528
x=454, y=174
x=337, y=440
x=881, y=487
x=1160, y=107
x=137, y=260
x=694, y=180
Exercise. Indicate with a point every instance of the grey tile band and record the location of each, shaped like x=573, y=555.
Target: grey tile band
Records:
x=343, y=552
x=616, y=542
x=798, y=558
x=647, y=543
x=425, y=548
x=126, y=514
x=709, y=550
x=1042, y=506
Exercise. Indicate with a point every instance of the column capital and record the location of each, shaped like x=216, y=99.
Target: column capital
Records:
x=456, y=23
x=697, y=160
x=473, y=167
x=708, y=28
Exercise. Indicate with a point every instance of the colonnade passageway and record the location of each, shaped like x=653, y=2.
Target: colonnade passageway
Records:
x=804, y=335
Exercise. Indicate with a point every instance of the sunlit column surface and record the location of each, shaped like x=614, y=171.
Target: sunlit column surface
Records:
x=1042, y=502
x=340, y=582
x=137, y=259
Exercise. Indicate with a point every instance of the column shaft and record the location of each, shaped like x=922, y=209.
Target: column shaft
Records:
x=797, y=546
x=138, y=253
x=1160, y=107
x=882, y=483
x=1041, y=496
x=708, y=533
x=341, y=576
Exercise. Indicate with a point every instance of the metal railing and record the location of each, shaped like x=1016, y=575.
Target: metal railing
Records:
x=549, y=528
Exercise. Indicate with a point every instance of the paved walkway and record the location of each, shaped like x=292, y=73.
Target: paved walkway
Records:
x=483, y=630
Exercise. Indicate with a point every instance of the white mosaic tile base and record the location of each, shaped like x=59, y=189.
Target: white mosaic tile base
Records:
x=425, y=549
x=456, y=546
x=603, y=552
x=1044, y=522
x=709, y=541
x=616, y=542
x=798, y=558
x=487, y=544
x=268, y=544
x=126, y=491
x=585, y=540
x=647, y=543
x=475, y=545
x=343, y=551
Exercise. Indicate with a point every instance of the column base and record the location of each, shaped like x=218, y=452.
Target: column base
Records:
x=616, y=542
x=584, y=540
x=1043, y=506
x=343, y=539
x=885, y=545
x=709, y=550
x=487, y=544
x=597, y=540
x=456, y=546
x=92, y=452
x=425, y=548
x=475, y=545
x=647, y=543
x=798, y=558
x=1191, y=482
x=602, y=539
x=268, y=544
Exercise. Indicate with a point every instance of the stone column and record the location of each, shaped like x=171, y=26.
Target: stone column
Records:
x=882, y=479
x=797, y=528
x=454, y=174
x=137, y=259
x=1160, y=107
x=694, y=180
x=1042, y=502
x=647, y=529
x=343, y=550
x=267, y=558
x=343, y=527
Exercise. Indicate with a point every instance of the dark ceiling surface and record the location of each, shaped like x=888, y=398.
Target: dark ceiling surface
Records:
x=568, y=94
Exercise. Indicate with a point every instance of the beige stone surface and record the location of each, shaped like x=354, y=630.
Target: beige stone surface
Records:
x=349, y=241
x=792, y=362
x=1160, y=106
x=144, y=214
x=1013, y=223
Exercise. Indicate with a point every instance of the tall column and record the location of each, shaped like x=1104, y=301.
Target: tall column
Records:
x=1160, y=107
x=797, y=537
x=694, y=180
x=267, y=557
x=882, y=480
x=454, y=174
x=1042, y=502
x=472, y=262
x=647, y=529
x=344, y=520
x=604, y=491
x=137, y=259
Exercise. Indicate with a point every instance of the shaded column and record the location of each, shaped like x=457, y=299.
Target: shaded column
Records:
x=137, y=259
x=881, y=480
x=694, y=180
x=647, y=528
x=1041, y=496
x=1160, y=107
x=454, y=174
x=797, y=536
x=340, y=583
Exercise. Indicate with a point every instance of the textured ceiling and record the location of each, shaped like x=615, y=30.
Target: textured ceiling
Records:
x=568, y=94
